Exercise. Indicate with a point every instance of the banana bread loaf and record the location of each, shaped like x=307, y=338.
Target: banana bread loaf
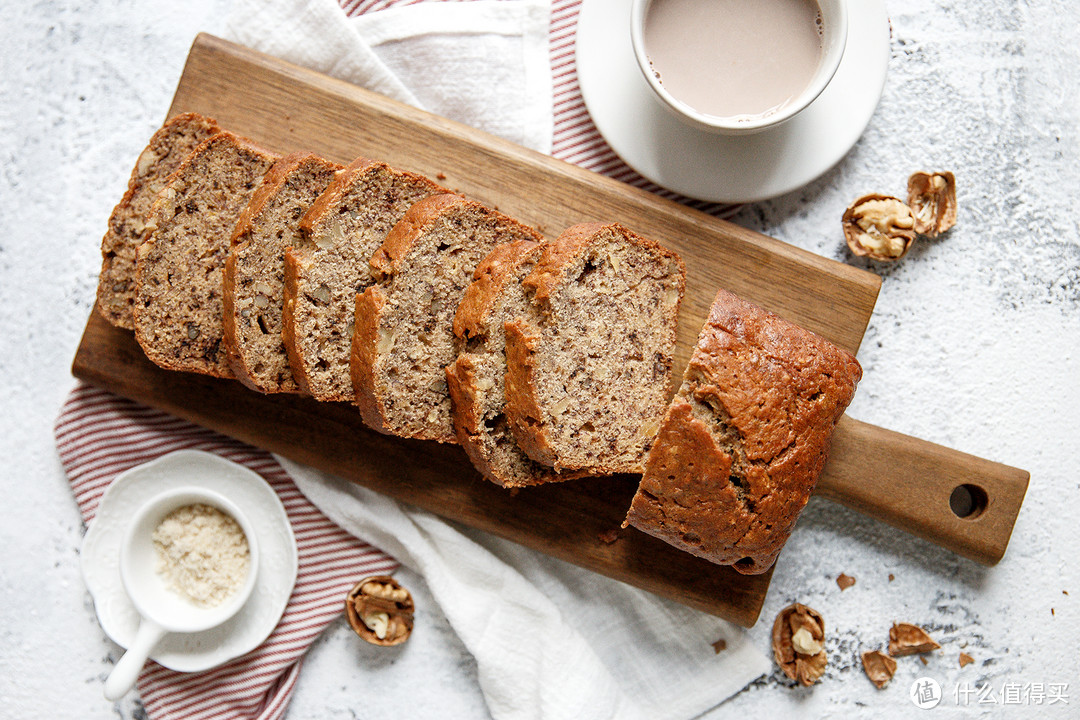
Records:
x=588, y=368
x=168, y=147
x=330, y=266
x=405, y=324
x=745, y=438
x=255, y=270
x=180, y=267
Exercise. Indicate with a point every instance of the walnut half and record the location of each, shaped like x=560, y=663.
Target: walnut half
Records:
x=879, y=227
x=932, y=198
x=798, y=640
x=380, y=611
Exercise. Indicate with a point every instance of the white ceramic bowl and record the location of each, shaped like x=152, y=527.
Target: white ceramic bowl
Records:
x=163, y=610
x=834, y=16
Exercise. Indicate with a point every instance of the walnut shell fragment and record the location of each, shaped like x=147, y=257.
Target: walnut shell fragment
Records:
x=844, y=581
x=879, y=227
x=932, y=199
x=879, y=667
x=907, y=639
x=798, y=640
x=965, y=659
x=380, y=611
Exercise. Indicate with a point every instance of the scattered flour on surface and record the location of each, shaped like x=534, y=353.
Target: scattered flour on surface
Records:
x=202, y=554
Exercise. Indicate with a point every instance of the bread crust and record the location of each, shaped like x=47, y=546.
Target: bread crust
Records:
x=272, y=184
x=490, y=278
x=364, y=356
x=745, y=439
x=386, y=261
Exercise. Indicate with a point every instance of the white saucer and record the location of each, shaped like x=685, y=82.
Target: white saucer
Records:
x=191, y=652
x=718, y=168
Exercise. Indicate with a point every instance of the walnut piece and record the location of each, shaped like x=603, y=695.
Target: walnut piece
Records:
x=380, y=611
x=879, y=227
x=879, y=667
x=965, y=659
x=932, y=198
x=798, y=640
x=908, y=639
x=844, y=581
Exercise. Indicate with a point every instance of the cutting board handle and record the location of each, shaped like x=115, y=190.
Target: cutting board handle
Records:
x=959, y=501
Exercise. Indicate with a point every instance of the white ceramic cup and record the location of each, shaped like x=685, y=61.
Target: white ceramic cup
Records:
x=161, y=609
x=834, y=20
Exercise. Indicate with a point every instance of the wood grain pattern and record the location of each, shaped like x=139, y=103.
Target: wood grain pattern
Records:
x=285, y=107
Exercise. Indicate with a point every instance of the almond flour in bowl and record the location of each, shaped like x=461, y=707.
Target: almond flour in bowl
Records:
x=202, y=554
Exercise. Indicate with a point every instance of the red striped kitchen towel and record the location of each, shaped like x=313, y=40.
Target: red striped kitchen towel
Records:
x=98, y=436
x=576, y=139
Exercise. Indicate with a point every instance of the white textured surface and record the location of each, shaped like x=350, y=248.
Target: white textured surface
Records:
x=975, y=343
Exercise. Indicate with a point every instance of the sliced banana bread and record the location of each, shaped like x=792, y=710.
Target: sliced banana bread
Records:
x=405, y=324
x=167, y=149
x=477, y=378
x=180, y=267
x=746, y=437
x=588, y=367
x=331, y=265
x=255, y=270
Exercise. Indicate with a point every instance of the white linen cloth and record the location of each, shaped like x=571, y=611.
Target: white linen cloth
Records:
x=482, y=63
x=551, y=641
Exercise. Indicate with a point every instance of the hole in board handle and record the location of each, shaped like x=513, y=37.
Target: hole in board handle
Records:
x=968, y=501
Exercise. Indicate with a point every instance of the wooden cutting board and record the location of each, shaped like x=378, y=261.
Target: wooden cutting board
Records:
x=902, y=480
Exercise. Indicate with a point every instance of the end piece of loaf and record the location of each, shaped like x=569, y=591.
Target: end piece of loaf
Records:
x=331, y=265
x=255, y=270
x=745, y=438
x=477, y=378
x=167, y=148
x=404, y=325
x=180, y=267
x=588, y=370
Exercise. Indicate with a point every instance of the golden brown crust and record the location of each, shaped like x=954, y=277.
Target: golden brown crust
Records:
x=364, y=355
x=331, y=197
x=488, y=281
x=385, y=262
x=557, y=255
x=522, y=404
x=288, y=321
x=753, y=419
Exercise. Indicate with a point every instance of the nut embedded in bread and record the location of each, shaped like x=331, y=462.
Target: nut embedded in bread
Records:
x=180, y=267
x=168, y=147
x=746, y=437
x=477, y=378
x=331, y=265
x=588, y=368
x=404, y=336
x=255, y=270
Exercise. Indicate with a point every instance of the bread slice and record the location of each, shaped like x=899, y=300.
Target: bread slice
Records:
x=180, y=267
x=404, y=325
x=588, y=368
x=477, y=378
x=746, y=437
x=331, y=265
x=255, y=270
x=167, y=149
